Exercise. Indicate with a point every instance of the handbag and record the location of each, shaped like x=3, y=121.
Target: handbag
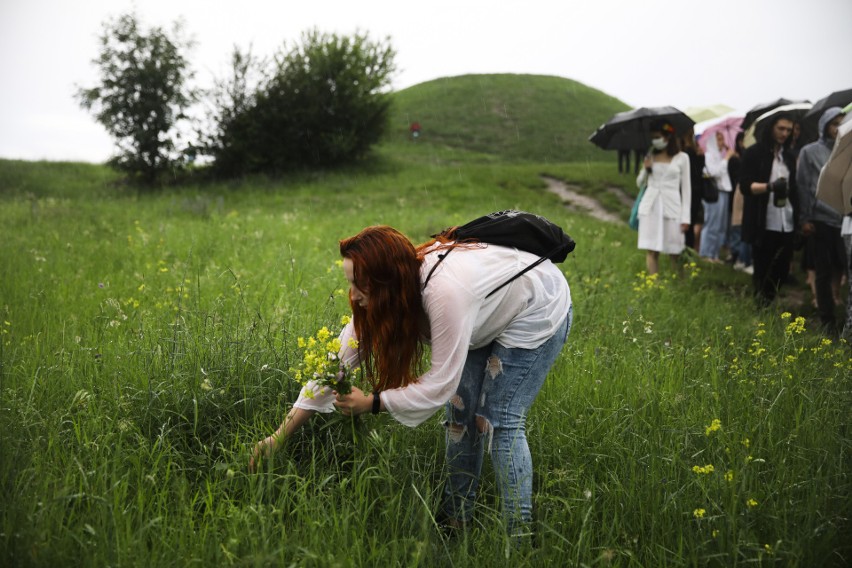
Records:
x=634, y=213
x=709, y=189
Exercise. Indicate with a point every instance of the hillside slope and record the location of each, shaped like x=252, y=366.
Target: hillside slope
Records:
x=517, y=117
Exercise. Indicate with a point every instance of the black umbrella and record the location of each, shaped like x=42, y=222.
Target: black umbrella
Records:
x=763, y=108
x=629, y=130
x=835, y=99
x=795, y=111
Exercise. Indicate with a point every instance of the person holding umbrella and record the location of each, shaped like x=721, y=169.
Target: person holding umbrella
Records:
x=819, y=221
x=769, y=170
x=664, y=211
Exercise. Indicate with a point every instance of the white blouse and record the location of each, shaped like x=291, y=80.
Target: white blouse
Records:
x=524, y=314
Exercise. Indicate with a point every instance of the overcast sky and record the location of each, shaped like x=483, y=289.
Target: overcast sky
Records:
x=646, y=53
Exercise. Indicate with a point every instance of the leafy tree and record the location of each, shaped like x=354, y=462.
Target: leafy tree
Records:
x=142, y=94
x=324, y=103
x=234, y=133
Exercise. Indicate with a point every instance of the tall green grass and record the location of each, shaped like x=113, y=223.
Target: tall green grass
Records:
x=146, y=343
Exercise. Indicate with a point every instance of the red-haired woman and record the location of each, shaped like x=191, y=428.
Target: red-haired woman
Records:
x=490, y=354
x=664, y=212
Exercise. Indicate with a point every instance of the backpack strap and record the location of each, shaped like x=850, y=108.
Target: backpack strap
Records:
x=541, y=259
x=441, y=258
x=524, y=271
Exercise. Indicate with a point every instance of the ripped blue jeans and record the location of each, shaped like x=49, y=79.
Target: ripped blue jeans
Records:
x=497, y=388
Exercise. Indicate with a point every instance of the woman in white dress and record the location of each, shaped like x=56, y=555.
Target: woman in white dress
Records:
x=664, y=211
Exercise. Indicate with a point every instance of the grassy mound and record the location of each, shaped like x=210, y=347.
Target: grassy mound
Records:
x=516, y=117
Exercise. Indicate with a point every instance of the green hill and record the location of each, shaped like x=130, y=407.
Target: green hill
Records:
x=516, y=117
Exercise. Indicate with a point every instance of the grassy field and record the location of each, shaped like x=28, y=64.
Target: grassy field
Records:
x=147, y=342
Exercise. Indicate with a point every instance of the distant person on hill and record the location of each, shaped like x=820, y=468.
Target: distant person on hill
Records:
x=770, y=203
x=414, y=130
x=490, y=354
x=665, y=208
x=820, y=222
x=717, y=216
x=696, y=166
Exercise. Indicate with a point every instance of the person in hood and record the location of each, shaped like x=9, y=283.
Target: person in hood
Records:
x=819, y=221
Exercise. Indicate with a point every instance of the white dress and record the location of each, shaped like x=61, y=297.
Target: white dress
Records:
x=665, y=205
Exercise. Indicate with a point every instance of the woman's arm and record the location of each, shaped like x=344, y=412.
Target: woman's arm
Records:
x=295, y=419
x=312, y=399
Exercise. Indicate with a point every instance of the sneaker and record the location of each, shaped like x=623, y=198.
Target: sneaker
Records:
x=749, y=269
x=739, y=265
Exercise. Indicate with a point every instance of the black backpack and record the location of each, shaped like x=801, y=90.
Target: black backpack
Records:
x=511, y=228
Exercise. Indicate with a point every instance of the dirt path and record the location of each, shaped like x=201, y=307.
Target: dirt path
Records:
x=576, y=201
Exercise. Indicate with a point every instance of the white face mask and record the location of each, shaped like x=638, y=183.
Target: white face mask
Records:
x=659, y=143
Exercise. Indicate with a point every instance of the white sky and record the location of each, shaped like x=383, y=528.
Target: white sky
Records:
x=646, y=53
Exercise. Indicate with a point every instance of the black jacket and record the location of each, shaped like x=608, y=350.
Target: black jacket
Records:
x=757, y=167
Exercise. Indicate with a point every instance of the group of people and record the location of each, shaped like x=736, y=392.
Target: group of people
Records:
x=766, y=208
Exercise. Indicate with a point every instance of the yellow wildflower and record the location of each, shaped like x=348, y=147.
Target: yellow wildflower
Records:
x=703, y=469
x=752, y=503
x=714, y=426
x=698, y=513
x=345, y=320
x=353, y=343
x=729, y=475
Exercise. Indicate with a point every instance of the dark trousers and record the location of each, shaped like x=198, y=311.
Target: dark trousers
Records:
x=829, y=259
x=771, y=254
x=624, y=161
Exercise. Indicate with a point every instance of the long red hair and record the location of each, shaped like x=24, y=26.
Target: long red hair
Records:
x=386, y=267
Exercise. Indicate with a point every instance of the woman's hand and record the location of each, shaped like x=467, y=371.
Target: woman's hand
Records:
x=648, y=162
x=262, y=449
x=684, y=227
x=354, y=403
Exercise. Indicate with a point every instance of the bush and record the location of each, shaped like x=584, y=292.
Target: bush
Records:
x=323, y=104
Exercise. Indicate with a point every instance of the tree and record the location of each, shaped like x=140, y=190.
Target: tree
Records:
x=142, y=94
x=324, y=103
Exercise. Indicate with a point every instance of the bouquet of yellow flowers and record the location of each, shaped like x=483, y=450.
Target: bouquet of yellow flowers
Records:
x=321, y=364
